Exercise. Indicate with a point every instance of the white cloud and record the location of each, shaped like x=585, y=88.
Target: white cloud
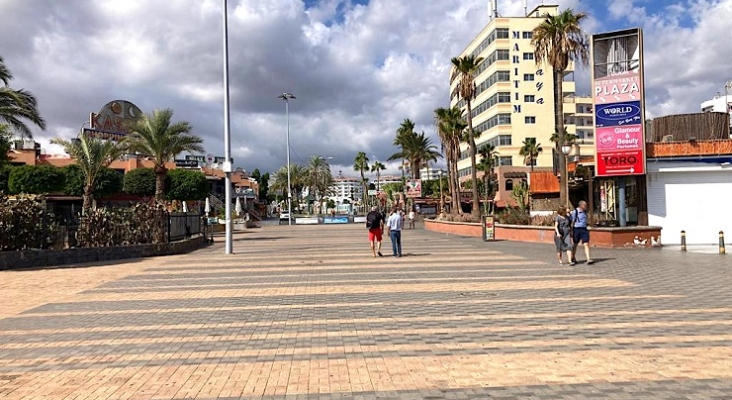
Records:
x=357, y=70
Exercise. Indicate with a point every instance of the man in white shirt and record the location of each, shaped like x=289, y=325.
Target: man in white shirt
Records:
x=394, y=228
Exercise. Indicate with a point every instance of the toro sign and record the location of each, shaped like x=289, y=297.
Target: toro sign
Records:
x=620, y=163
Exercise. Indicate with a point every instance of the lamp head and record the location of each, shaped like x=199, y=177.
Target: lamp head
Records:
x=566, y=148
x=286, y=96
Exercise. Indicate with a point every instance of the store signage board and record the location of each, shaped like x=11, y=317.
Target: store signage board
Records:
x=617, y=75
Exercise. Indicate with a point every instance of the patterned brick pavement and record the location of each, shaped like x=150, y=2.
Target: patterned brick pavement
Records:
x=304, y=312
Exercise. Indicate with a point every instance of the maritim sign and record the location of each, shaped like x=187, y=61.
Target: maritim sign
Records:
x=617, y=77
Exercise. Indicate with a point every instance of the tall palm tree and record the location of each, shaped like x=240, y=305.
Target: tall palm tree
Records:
x=450, y=129
x=377, y=167
x=558, y=40
x=17, y=106
x=530, y=149
x=467, y=67
x=298, y=182
x=91, y=155
x=361, y=164
x=418, y=150
x=488, y=162
x=319, y=177
x=154, y=136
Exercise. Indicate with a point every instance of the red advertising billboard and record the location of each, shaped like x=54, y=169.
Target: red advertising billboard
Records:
x=617, y=76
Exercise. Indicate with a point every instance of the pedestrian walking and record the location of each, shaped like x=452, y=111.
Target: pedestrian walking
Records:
x=562, y=237
x=411, y=219
x=394, y=227
x=580, y=234
x=375, y=225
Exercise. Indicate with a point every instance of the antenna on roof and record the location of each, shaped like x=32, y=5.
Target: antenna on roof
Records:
x=492, y=9
x=526, y=8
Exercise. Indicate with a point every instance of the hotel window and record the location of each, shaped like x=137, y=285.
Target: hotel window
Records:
x=529, y=98
x=528, y=35
x=529, y=120
x=505, y=160
x=528, y=56
x=528, y=77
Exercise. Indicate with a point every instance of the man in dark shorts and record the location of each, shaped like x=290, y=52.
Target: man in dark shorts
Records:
x=375, y=225
x=580, y=234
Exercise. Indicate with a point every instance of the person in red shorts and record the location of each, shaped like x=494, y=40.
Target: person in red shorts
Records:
x=375, y=225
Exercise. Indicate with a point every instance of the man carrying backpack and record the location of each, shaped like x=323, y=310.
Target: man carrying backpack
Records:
x=580, y=234
x=375, y=225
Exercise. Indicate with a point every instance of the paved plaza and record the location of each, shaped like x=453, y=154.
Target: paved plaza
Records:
x=305, y=312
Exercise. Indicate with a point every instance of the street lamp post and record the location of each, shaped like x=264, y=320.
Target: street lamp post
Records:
x=227, y=167
x=727, y=88
x=566, y=149
x=287, y=97
x=442, y=198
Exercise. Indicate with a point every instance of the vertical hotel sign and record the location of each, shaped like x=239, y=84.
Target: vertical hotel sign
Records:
x=617, y=77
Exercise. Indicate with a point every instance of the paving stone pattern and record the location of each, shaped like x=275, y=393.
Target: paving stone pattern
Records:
x=305, y=312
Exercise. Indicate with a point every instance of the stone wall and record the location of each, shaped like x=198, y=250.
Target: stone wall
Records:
x=44, y=258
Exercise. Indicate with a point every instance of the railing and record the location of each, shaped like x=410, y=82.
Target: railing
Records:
x=183, y=225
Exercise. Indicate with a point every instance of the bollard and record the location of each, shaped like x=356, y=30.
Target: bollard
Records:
x=683, y=240
x=721, y=243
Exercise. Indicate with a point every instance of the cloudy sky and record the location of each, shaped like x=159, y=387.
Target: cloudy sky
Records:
x=357, y=67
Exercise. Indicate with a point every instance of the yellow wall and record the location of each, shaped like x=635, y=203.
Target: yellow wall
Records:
x=518, y=108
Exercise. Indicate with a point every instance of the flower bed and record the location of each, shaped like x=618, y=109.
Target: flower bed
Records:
x=601, y=237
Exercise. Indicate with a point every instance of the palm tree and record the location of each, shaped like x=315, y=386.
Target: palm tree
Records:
x=155, y=137
x=361, y=164
x=17, y=106
x=488, y=161
x=558, y=40
x=530, y=150
x=377, y=167
x=467, y=67
x=319, y=178
x=91, y=155
x=418, y=150
x=450, y=129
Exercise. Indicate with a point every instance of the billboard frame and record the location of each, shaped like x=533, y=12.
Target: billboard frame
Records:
x=622, y=162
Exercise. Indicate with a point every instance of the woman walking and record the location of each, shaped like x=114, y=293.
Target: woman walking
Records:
x=562, y=237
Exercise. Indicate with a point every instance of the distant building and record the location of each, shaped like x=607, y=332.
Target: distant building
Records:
x=718, y=103
x=429, y=173
x=514, y=98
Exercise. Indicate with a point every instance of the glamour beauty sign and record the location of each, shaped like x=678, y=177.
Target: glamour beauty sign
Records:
x=617, y=76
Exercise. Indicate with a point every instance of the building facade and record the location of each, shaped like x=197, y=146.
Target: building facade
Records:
x=718, y=103
x=514, y=96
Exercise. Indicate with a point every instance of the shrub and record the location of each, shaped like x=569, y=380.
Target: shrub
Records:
x=514, y=216
x=139, y=224
x=24, y=223
x=108, y=182
x=140, y=181
x=35, y=179
x=543, y=220
x=183, y=184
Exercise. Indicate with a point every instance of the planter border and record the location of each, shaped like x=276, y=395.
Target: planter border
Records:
x=601, y=237
x=12, y=260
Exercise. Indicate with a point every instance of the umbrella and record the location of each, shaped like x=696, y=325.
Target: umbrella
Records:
x=185, y=207
x=237, y=207
x=207, y=207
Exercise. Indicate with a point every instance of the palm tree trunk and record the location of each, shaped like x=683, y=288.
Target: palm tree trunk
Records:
x=160, y=174
x=561, y=135
x=473, y=170
x=457, y=207
x=88, y=199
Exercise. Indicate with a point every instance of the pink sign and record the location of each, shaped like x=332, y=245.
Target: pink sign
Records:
x=628, y=137
x=618, y=88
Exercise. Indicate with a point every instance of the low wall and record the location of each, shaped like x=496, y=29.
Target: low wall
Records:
x=455, y=228
x=600, y=237
x=44, y=258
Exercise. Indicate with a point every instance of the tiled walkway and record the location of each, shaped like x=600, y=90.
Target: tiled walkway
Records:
x=305, y=312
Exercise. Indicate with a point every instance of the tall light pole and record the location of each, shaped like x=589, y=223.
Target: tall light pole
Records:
x=566, y=149
x=227, y=167
x=287, y=97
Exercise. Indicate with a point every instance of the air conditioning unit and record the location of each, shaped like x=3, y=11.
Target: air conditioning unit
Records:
x=667, y=138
